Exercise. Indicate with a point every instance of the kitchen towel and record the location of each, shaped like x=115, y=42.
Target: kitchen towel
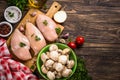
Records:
x=11, y=69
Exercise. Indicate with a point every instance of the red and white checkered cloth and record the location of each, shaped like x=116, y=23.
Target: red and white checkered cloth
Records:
x=10, y=69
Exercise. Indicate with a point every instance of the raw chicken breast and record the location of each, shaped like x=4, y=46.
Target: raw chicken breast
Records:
x=35, y=37
x=20, y=45
x=47, y=26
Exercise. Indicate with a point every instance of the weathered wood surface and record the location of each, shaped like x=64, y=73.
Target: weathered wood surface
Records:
x=99, y=22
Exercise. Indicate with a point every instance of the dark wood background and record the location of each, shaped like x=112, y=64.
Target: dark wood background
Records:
x=99, y=22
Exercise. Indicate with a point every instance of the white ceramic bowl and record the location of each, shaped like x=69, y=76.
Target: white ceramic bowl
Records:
x=11, y=28
x=12, y=14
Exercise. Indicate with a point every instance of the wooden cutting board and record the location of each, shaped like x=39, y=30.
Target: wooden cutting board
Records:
x=28, y=18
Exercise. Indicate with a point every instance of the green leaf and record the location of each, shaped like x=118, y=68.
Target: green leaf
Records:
x=81, y=72
x=32, y=67
x=58, y=30
x=37, y=38
x=45, y=22
x=19, y=3
x=21, y=44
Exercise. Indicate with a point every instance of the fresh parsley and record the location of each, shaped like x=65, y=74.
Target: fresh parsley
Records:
x=45, y=22
x=22, y=44
x=58, y=30
x=11, y=14
x=32, y=67
x=44, y=6
x=37, y=38
x=22, y=4
x=81, y=72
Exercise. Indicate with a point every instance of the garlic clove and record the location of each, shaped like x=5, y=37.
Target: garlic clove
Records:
x=33, y=14
x=21, y=28
x=62, y=41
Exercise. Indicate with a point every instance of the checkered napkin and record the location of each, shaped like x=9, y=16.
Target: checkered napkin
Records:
x=10, y=69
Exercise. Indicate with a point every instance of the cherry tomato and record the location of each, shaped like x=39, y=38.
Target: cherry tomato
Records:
x=72, y=45
x=79, y=40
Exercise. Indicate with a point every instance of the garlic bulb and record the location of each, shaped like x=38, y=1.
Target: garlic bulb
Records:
x=51, y=75
x=70, y=63
x=33, y=14
x=59, y=67
x=54, y=55
x=44, y=70
x=66, y=51
x=53, y=47
x=49, y=63
x=44, y=57
x=62, y=59
x=66, y=72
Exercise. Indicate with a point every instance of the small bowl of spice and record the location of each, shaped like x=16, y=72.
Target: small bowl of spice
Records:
x=12, y=14
x=5, y=29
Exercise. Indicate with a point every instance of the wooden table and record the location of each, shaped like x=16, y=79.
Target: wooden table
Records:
x=99, y=22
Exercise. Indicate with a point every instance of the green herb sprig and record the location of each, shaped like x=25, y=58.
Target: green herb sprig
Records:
x=22, y=44
x=11, y=14
x=45, y=22
x=19, y=3
x=58, y=30
x=37, y=38
x=81, y=72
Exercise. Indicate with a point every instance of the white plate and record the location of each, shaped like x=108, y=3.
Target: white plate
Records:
x=12, y=14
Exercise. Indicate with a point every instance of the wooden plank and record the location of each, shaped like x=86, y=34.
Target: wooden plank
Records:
x=103, y=67
x=99, y=22
x=28, y=18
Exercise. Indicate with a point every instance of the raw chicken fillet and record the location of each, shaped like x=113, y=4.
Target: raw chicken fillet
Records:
x=20, y=45
x=47, y=26
x=37, y=41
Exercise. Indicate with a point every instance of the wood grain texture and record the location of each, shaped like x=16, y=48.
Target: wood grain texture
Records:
x=99, y=22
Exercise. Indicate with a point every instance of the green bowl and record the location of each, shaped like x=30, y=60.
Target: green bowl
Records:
x=60, y=46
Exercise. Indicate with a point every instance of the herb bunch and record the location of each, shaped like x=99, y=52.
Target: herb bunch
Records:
x=81, y=72
x=19, y=3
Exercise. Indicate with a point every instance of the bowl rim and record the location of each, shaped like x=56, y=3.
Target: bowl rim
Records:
x=38, y=60
x=5, y=22
x=17, y=10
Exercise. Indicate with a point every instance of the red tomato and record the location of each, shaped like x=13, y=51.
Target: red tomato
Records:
x=79, y=40
x=72, y=45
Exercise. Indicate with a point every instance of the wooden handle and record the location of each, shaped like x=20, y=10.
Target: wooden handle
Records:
x=53, y=9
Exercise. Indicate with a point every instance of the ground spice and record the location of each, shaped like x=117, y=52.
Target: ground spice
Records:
x=4, y=29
